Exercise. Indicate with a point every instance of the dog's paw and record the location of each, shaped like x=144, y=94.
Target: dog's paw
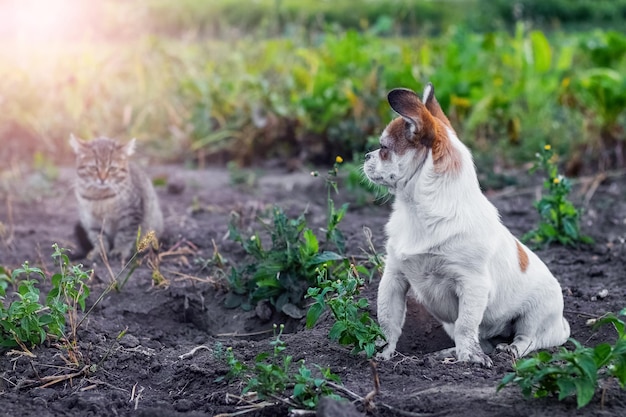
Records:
x=386, y=354
x=475, y=356
x=508, y=349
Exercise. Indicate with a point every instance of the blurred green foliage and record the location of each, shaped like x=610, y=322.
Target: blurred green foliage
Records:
x=308, y=80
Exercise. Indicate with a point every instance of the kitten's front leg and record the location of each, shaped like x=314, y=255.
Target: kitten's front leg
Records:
x=124, y=245
x=99, y=240
x=391, y=306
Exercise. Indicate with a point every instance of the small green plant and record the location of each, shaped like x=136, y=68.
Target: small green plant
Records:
x=69, y=289
x=574, y=372
x=27, y=322
x=334, y=216
x=353, y=325
x=283, y=273
x=272, y=375
x=560, y=220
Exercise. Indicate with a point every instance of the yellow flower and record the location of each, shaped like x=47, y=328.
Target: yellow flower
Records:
x=338, y=159
x=556, y=180
x=547, y=147
x=565, y=82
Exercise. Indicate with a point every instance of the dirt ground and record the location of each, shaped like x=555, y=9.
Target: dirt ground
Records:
x=148, y=373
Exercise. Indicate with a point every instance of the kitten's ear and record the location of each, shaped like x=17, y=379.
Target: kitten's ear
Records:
x=129, y=148
x=75, y=143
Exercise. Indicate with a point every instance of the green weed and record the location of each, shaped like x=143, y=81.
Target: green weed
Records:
x=560, y=219
x=27, y=322
x=573, y=372
x=283, y=272
x=272, y=374
x=353, y=326
x=334, y=215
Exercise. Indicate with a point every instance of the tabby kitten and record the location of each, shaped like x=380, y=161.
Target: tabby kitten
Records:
x=115, y=198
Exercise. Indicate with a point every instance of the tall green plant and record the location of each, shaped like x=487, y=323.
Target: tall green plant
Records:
x=559, y=218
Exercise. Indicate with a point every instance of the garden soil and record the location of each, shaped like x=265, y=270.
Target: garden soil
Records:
x=167, y=361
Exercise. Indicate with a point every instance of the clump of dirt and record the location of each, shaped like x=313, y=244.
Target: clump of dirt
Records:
x=151, y=371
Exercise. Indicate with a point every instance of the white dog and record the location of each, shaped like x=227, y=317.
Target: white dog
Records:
x=447, y=244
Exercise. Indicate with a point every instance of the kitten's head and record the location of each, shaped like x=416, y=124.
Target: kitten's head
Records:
x=101, y=166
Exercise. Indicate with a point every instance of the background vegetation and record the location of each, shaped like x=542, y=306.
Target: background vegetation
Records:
x=200, y=81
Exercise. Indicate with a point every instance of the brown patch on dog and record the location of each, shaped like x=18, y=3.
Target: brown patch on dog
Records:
x=400, y=134
x=445, y=157
x=522, y=257
x=435, y=109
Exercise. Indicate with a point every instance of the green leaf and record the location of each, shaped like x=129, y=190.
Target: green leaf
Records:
x=602, y=353
x=233, y=300
x=311, y=242
x=324, y=257
x=293, y=311
x=566, y=387
x=588, y=366
x=314, y=313
x=584, y=391
x=298, y=390
x=337, y=330
x=542, y=54
x=508, y=378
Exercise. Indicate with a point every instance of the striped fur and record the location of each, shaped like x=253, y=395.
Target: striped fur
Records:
x=115, y=198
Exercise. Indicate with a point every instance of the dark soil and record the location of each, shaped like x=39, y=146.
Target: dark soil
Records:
x=147, y=373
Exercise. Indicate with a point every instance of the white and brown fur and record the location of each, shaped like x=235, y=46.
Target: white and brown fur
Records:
x=447, y=245
x=116, y=198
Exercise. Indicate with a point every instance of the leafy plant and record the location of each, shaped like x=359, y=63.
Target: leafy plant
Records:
x=353, y=325
x=574, y=372
x=559, y=218
x=272, y=374
x=283, y=273
x=26, y=321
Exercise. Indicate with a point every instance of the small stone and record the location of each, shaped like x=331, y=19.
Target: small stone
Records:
x=175, y=186
x=603, y=294
x=263, y=311
x=328, y=407
x=129, y=341
x=183, y=405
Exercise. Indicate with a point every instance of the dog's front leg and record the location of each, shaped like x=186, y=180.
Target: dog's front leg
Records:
x=391, y=307
x=473, y=293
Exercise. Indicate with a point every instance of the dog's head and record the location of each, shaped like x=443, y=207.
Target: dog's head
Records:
x=421, y=132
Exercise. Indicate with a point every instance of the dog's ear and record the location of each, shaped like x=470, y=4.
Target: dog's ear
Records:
x=420, y=125
x=431, y=103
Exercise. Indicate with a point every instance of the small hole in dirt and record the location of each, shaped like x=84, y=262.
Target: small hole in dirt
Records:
x=206, y=312
x=422, y=333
